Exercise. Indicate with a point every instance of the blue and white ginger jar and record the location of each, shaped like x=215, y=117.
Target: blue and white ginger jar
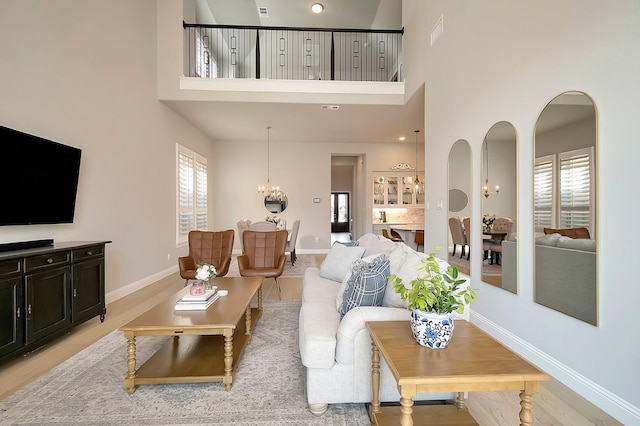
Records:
x=432, y=330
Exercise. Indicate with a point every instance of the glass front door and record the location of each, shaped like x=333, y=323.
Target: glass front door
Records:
x=340, y=212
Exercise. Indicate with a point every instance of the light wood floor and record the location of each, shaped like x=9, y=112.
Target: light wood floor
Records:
x=554, y=405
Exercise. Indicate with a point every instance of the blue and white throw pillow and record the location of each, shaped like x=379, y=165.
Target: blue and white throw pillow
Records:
x=366, y=285
x=348, y=243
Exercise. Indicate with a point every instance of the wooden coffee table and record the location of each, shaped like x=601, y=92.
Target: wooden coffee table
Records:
x=473, y=361
x=206, y=344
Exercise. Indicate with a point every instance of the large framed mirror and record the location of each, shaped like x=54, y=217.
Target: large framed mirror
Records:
x=459, y=181
x=565, y=206
x=499, y=207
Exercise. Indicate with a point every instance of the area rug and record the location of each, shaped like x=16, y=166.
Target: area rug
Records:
x=303, y=262
x=268, y=387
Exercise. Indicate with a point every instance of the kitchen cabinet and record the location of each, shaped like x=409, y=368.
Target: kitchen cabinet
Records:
x=397, y=189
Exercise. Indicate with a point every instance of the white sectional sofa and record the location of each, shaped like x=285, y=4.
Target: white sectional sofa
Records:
x=565, y=271
x=337, y=353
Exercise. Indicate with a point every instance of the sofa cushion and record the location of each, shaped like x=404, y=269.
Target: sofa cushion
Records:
x=318, y=289
x=338, y=261
x=548, y=240
x=366, y=285
x=407, y=272
x=317, y=329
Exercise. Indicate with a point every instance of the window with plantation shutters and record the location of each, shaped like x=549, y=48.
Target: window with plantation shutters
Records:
x=543, y=197
x=575, y=188
x=191, y=193
x=563, y=190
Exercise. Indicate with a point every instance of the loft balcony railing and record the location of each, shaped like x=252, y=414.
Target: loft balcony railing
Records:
x=285, y=53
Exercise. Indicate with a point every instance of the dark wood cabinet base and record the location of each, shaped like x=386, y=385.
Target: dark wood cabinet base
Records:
x=46, y=291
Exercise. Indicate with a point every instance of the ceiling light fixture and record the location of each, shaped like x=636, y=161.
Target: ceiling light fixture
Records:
x=485, y=188
x=317, y=8
x=419, y=185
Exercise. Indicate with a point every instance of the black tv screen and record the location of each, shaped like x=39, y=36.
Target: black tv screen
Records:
x=38, y=179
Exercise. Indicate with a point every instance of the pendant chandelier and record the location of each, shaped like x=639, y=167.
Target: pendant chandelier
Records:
x=485, y=188
x=419, y=185
x=271, y=194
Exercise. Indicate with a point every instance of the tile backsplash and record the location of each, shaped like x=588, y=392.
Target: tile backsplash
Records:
x=398, y=215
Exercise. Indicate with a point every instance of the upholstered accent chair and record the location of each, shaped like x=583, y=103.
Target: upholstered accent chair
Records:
x=457, y=236
x=212, y=247
x=291, y=244
x=264, y=254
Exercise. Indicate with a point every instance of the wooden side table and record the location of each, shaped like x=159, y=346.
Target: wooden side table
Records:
x=473, y=361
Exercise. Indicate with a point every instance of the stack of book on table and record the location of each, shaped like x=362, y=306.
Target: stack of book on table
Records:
x=198, y=302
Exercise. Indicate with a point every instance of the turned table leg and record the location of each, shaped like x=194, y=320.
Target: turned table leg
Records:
x=228, y=359
x=247, y=323
x=526, y=402
x=375, y=378
x=129, y=381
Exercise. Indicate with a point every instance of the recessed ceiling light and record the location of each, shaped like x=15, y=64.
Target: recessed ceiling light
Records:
x=401, y=138
x=317, y=8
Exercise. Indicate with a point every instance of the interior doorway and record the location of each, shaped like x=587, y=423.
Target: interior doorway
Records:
x=340, y=212
x=346, y=196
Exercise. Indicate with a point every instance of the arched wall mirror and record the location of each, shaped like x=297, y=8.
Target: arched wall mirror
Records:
x=276, y=201
x=459, y=179
x=565, y=206
x=499, y=207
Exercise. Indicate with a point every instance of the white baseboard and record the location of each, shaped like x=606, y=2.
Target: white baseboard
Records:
x=613, y=405
x=112, y=296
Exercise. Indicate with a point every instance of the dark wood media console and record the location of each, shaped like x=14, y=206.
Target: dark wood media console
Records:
x=46, y=291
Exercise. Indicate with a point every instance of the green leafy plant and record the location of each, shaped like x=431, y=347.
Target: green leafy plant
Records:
x=436, y=291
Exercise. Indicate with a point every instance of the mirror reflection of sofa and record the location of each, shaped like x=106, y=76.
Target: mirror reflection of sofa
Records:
x=565, y=274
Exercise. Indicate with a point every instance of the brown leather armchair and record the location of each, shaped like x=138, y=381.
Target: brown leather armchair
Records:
x=264, y=254
x=212, y=247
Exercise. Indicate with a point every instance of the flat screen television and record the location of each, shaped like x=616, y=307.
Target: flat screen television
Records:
x=38, y=179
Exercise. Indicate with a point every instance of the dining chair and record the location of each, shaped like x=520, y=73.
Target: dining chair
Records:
x=457, y=236
x=242, y=225
x=291, y=244
x=486, y=244
x=264, y=254
x=262, y=226
x=211, y=247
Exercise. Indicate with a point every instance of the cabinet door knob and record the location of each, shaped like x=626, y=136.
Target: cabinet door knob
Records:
x=49, y=261
x=75, y=292
x=29, y=309
x=18, y=312
x=89, y=253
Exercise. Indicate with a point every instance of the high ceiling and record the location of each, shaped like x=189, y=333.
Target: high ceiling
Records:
x=304, y=122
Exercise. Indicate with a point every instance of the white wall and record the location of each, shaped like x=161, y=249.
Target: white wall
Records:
x=84, y=74
x=505, y=60
x=303, y=171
